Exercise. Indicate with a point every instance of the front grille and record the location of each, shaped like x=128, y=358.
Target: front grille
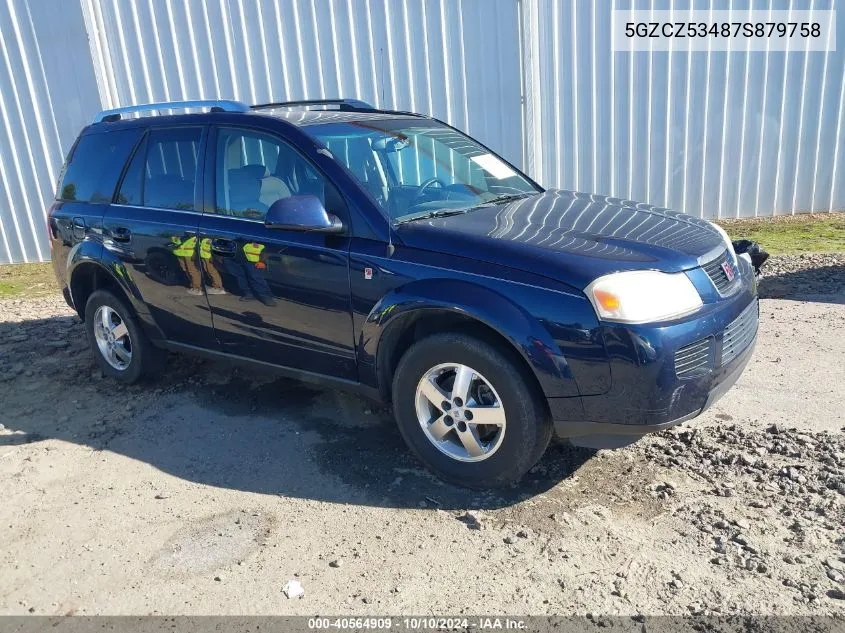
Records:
x=717, y=274
x=694, y=359
x=739, y=334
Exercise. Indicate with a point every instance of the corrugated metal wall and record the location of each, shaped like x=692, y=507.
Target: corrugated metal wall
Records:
x=713, y=134
x=47, y=92
x=459, y=61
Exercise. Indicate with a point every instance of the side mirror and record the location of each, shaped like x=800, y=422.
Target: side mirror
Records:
x=302, y=213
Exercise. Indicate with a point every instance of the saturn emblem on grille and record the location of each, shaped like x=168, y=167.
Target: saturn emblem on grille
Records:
x=729, y=270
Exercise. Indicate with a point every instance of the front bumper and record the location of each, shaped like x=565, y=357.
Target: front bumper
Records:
x=651, y=390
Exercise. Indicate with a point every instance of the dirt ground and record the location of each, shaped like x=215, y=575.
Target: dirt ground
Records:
x=206, y=491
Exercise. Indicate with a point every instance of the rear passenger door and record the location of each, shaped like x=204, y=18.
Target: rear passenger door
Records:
x=152, y=228
x=278, y=296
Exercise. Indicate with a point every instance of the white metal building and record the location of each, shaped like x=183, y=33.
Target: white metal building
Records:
x=716, y=134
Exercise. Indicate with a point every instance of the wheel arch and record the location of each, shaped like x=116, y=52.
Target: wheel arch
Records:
x=425, y=307
x=87, y=274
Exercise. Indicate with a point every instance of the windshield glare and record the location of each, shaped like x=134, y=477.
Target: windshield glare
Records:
x=413, y=167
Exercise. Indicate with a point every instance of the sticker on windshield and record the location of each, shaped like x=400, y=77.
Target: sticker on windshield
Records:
x=493, y=165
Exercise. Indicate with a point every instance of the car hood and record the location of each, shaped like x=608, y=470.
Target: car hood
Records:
x=569, y=236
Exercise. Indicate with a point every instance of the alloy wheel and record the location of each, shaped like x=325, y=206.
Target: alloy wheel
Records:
x=460, y=412
x=112, y=338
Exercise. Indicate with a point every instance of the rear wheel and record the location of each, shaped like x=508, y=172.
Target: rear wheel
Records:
x=469, y=412
x=120, y=347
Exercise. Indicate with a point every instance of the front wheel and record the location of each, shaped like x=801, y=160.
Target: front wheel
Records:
x=469, y=412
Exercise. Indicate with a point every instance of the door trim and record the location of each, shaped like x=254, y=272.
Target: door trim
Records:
x=324, y=380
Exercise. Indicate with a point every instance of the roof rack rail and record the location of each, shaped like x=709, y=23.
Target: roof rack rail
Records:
x=345, y=105
x=216, y=105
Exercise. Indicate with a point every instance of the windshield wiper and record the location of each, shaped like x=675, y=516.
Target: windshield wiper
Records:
x=506, y=198
x=439, y=213
x=442, y=213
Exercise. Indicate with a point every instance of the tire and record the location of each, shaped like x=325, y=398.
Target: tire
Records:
x=142, y=358
x=527, y=426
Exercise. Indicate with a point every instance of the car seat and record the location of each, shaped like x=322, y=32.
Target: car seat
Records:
x=168, y=191
x=272, y=188
x=245, y=190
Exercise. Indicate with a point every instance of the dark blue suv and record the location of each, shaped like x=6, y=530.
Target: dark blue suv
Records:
x=388, y=252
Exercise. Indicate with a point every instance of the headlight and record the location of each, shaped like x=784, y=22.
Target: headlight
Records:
x=727, y=240
x=642, y=296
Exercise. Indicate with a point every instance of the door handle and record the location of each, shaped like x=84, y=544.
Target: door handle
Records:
x=223, y=247
x=121, y=234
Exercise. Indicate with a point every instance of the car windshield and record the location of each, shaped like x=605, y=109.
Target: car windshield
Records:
x=419, y=168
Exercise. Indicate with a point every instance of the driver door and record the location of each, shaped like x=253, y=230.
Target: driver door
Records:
x=276, y=296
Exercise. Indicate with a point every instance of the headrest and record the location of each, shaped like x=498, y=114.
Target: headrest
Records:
x=257, y=171
x=243, y=184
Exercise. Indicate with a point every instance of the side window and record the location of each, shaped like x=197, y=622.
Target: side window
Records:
x=253, y=170
x=94, y=165
x=131, y=191
x=163, y=172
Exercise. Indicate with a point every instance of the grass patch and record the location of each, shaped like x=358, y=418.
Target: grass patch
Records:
x=27, y=280
x=811, y=232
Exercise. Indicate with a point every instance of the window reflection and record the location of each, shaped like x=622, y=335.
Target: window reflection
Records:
x=255, y=170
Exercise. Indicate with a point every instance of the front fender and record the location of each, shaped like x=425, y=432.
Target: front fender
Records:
x=485, y=305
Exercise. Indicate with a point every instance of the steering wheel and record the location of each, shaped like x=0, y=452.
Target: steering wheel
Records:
x=426, y=185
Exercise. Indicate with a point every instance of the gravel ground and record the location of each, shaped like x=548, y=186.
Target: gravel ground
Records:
x=209, y=489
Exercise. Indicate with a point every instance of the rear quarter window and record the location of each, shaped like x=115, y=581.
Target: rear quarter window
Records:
x=94, y=165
